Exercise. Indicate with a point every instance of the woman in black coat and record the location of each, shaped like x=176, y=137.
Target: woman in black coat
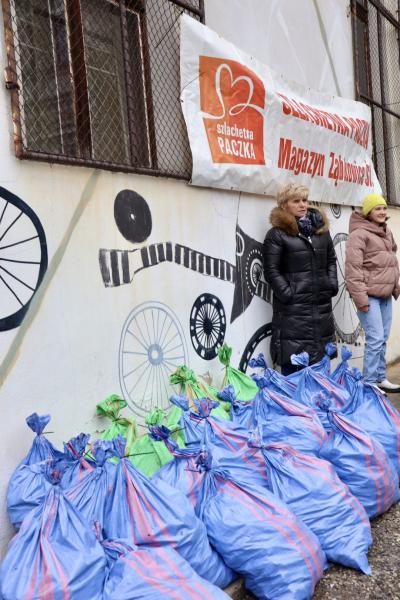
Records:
x=300, y=266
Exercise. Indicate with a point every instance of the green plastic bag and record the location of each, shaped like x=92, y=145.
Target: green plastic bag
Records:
x=173, y=424
x=190, y=387
x=245, y=388
x=111, y=408
x=147, y=454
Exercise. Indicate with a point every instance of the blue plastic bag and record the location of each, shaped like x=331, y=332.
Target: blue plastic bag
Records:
x=373, y=412
x=54, y=556
x=247, y=466
x=41, y=448
x=362, y=463
x=287, y=384
x=312, y=490
x=91, y=493
x=189, y=472
x=193, y=423
x=153, y=573
x=26, y=490
x=282, y=418
x=28, y=485
x=227, y=435
x=312, y=387
x=323, y=366
x=240, y=411
x=182, y=473
x=77, y=464
x=343, y=374
x=226, y=438
x=258, y=536
x=275, y=381
x=149, y=514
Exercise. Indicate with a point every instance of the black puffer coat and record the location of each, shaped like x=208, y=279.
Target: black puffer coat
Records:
x=303, y=277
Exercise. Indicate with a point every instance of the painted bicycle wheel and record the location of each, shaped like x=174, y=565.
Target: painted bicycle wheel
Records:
x=132, y=216
x=152, y=346
x=336, y=210
x=253, y=269
x=347, y=325
x=23, y=258
x=207, y=325
x=257, y=343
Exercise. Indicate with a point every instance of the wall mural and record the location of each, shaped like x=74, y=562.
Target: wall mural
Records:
x=23, y=258
x=207, y=325
x=347, y=325
x=132, y=216
x=336, y=210
x=153, y=341
x=152, y=346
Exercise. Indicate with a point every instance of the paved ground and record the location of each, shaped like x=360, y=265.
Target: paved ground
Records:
x=384, y=557
x=339, y=583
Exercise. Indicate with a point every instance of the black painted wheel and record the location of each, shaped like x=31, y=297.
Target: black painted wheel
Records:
x=336, y=210
x=207, y=325
x=253, y=269
x=132, y=216
x=345, y=316
x=23, y=258
x=253, y=345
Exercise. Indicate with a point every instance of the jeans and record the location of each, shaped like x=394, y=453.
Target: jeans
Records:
x=376, y=324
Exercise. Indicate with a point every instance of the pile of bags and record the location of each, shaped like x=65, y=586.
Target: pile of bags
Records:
x=268, y=478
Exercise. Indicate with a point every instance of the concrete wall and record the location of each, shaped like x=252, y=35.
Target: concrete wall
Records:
x=81, y=340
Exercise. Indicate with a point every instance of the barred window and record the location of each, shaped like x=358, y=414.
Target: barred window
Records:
x=376, y=31
x=96, y=82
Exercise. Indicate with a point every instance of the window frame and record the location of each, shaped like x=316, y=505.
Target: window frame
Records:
x=83, y=130
x=359, y=11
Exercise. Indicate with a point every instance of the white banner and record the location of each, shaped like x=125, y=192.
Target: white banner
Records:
x=251, y=130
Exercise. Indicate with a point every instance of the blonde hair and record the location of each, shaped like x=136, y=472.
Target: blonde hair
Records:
x=291, y=191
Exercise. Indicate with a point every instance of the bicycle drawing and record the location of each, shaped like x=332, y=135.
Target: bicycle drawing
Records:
x=347, y=325
x=144, y=371
x=23, y=258
x=152, y=346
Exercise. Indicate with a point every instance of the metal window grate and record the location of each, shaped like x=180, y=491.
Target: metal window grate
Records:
x=376, y=32
x=96, y=82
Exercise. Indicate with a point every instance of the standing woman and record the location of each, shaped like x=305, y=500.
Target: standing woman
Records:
x=300, y=266
x=372, y=278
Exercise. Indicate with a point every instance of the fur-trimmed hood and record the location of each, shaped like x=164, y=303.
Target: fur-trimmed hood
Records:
x=284, y=220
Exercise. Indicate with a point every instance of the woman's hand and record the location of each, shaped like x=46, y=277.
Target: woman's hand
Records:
x=364, y=308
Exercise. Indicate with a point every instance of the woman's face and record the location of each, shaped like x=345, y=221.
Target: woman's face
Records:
x=297, y=207
x=378, y=215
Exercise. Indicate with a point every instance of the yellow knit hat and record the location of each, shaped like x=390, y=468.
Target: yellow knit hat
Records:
x=371, y=201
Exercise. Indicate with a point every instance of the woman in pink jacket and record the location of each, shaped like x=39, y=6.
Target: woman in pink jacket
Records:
x=372, y=278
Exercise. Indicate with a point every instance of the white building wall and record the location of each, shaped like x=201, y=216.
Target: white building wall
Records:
x=65, y=356
x=308, y=41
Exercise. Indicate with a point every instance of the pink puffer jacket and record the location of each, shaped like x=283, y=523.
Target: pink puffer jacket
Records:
x=371, y=267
